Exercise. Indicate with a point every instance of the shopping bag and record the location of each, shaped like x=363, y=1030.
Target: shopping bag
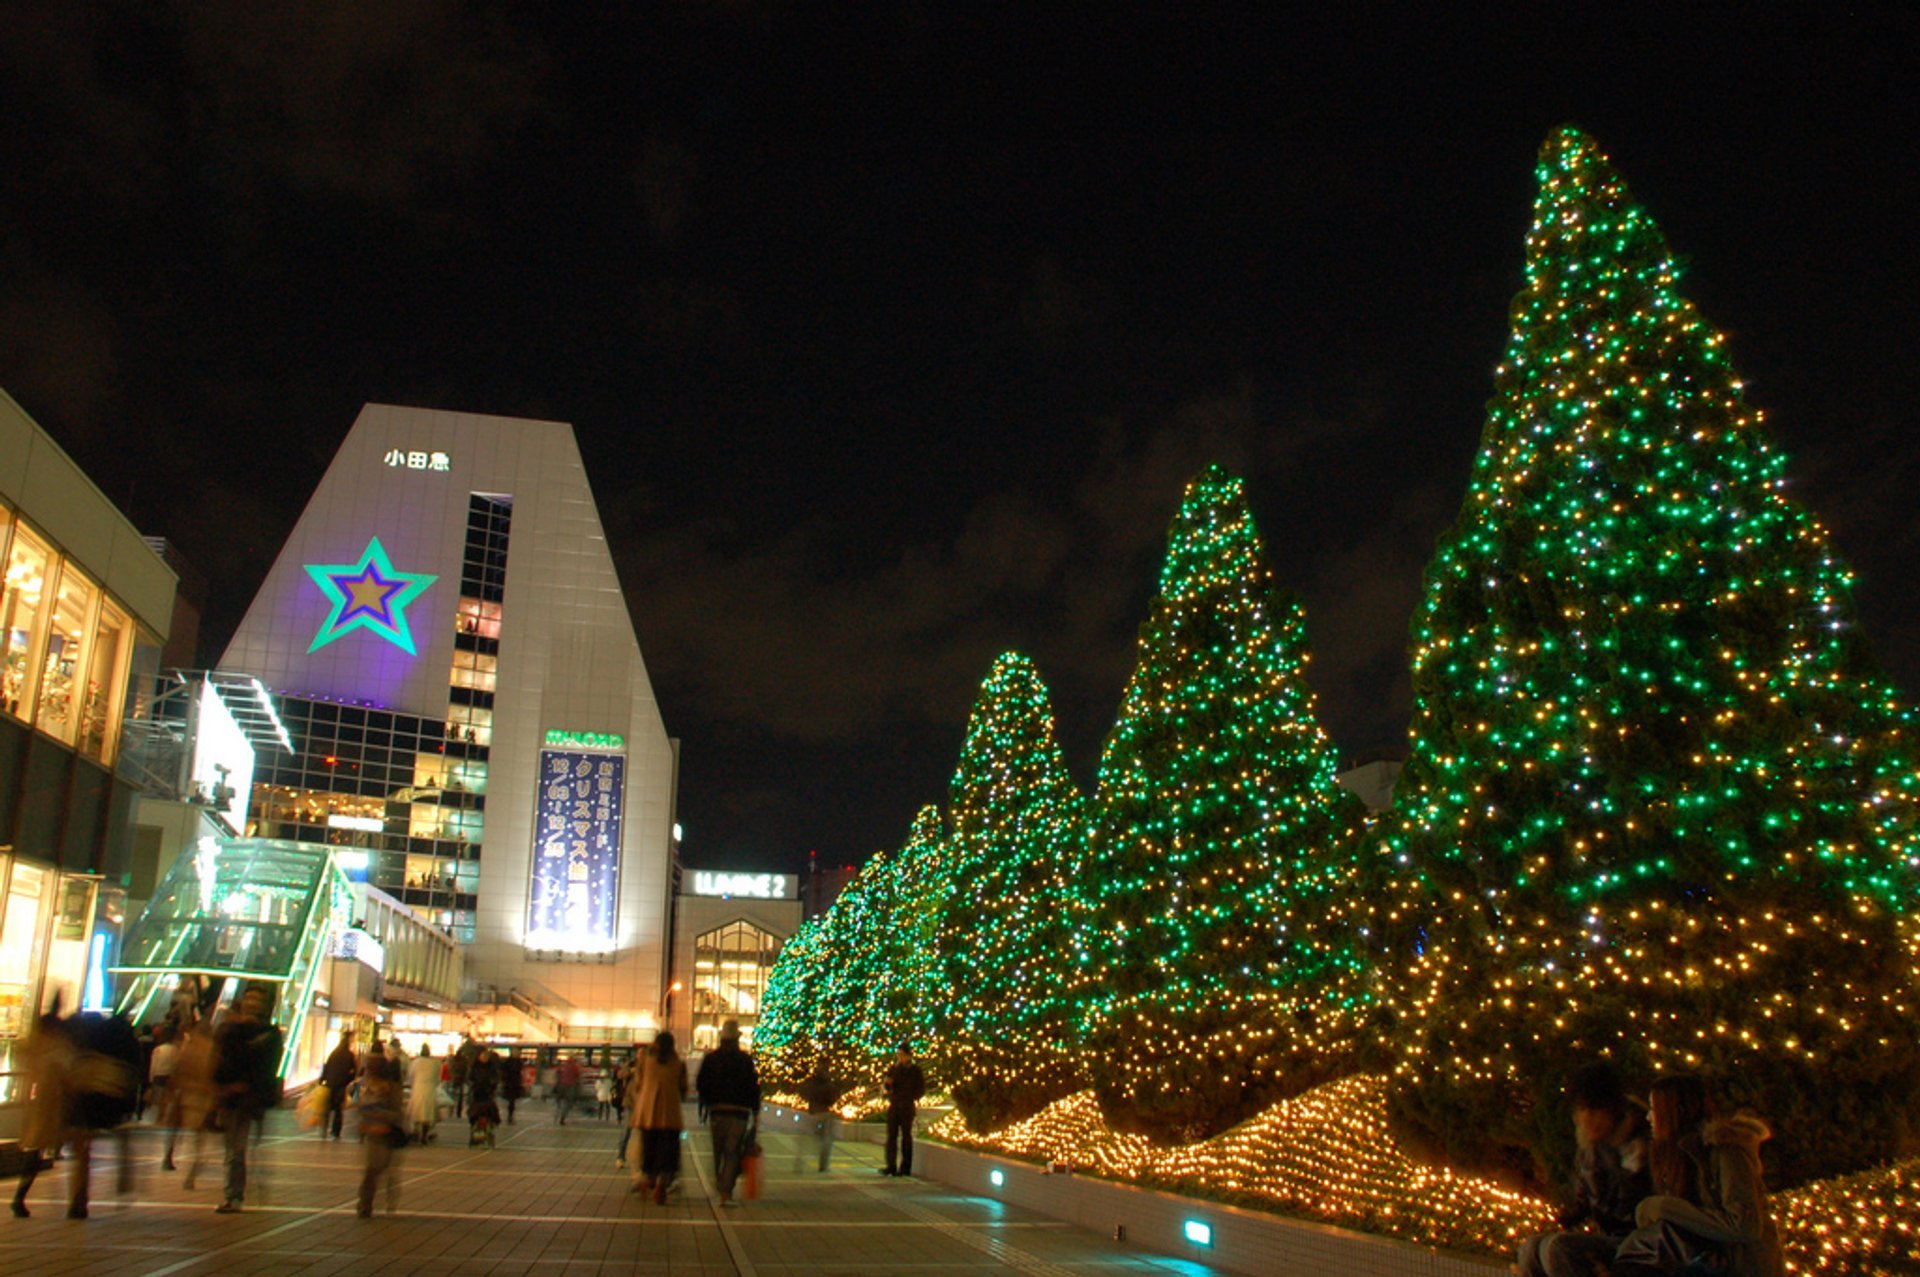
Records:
x=313, y=1110
x=750, y=1166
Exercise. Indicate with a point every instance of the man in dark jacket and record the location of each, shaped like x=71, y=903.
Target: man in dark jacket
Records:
x=246, y=1080
x=337, y=1075
x=729, y=1090
x=1610, y=1177
x=905, y=1085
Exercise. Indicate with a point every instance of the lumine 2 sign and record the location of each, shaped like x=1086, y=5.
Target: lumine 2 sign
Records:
x=706, y=882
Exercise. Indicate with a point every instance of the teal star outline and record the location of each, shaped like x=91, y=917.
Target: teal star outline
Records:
x=400, y=634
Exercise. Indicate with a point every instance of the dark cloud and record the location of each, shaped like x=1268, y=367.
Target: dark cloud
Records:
x=777, y=636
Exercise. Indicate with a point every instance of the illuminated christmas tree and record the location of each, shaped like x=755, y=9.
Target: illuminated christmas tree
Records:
x=1002, y=1024
x=1660, y=802
x=1216, y=974
x=790, y=1036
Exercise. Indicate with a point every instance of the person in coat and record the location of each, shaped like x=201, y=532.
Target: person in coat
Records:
x=729, y=1090
x=423, y=1093
x=337, y=1074
x=1709, y=1198
x=1610, y=1178
x=906, y=1083
x=48, y=1059
x=246, y=1082
x=383, y=1129
x=513, y=1084
x=193, y=1084
x=658, y=1090
x=483, y=1108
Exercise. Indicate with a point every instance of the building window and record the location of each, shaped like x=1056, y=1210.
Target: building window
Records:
x=22, y=609
x=730, y=967
x=63, y=678
x=474, y=670
x=478, y=618
x=106, y=684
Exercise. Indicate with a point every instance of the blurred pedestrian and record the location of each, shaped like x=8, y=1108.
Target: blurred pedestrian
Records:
x=48, y=1060
x=729, y=1090
x=819, y=1092
x=383, y=1131
x=246, y=1077
x=566, y=1086
x=659, y=1090
x=160, y=1064
x=337, y=1075
x=483, y=1109
x=193, y=1088
x=423, y=1093
x=513, y=1084
x=906, y=1083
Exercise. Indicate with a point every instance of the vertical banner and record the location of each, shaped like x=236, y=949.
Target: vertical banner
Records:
x=576, y=851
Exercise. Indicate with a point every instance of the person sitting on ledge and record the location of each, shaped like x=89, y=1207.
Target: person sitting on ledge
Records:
x=1709, y=1209
x=1610, y=1176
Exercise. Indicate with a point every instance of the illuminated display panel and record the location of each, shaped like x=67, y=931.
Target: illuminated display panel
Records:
x=576, y=851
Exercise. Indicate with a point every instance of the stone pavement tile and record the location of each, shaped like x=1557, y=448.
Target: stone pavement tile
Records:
x=547, y=1202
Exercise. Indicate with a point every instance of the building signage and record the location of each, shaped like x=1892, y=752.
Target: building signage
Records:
x=576, y=852
x=369, y=595
x=758, y=886
x=557, y=739
x=409, y=459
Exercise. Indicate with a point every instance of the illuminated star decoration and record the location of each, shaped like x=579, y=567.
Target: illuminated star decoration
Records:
x=369, y=595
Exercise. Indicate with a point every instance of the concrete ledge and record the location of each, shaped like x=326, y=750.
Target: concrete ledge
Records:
x=1243, y=1241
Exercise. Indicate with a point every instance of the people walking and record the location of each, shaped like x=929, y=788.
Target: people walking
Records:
x=383, y=1131
x=337, y=1075
x=193, y=1089
x=48, y=1057
x=483, y=1109
x=513, y=1084
x=602, y=1094
x=246, y=1078
x=654, y=1102
x=423, y=1093
x=819, y=1092
x=729, y=1091
x=906, y=1083
x=160, y=1065
x=566, y=1086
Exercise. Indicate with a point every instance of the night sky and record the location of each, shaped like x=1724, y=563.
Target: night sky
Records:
x=890, y=332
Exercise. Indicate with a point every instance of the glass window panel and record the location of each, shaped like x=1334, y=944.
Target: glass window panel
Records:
x=100, y=713
x=63, y=677
x=23, y=607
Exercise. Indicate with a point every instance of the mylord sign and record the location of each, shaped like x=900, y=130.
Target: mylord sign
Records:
x=708, y=882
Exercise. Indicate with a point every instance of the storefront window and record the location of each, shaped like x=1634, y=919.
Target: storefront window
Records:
x=730, y=969
x=62, y=680
x=22, y=606
x=106, y=684
x=21, y=949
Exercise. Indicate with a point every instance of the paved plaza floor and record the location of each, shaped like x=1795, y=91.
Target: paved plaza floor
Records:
x=549, y=1201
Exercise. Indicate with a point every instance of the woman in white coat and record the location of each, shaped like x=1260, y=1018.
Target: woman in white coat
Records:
x=423, y=1093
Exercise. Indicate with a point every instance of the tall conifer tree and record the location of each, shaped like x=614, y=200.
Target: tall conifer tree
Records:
x=1002, y=1021
x=1660, y=800
x=1216, y=975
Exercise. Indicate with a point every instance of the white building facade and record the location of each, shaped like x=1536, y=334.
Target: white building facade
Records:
x=450, y=648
